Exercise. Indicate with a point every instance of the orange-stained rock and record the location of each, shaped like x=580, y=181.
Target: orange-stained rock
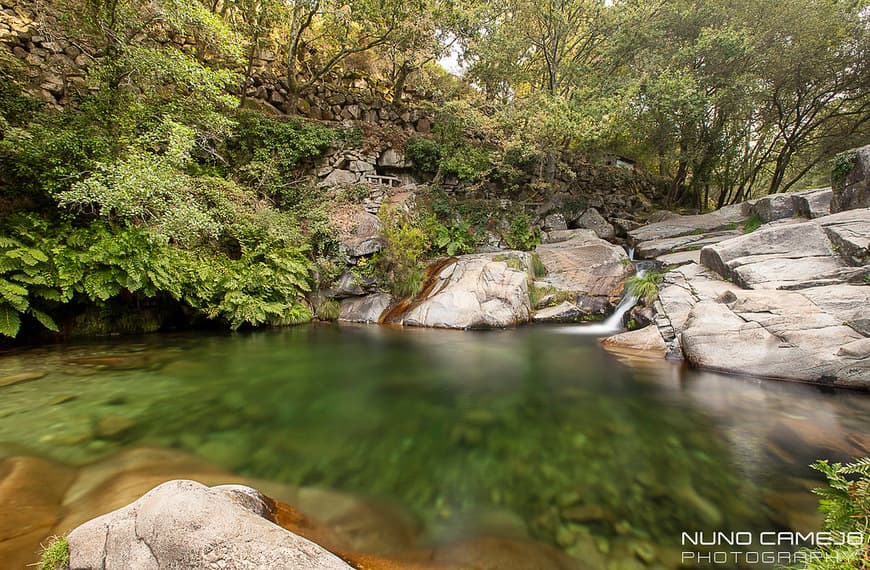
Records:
x=31, y=492
x=360, y=523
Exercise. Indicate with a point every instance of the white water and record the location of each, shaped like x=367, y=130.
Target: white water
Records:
x=613, y=323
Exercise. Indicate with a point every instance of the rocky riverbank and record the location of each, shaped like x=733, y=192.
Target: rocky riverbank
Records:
x=787, y=300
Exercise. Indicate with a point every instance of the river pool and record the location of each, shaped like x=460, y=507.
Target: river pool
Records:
x=526, y=431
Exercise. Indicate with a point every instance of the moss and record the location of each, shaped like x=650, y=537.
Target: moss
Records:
x=752, y=224
x=55, y=554
x=511, y=261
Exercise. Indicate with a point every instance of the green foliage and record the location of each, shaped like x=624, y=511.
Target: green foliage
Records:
x=456, y=238
x=538, y=267
x=267, y=151
x=466, y=162
x=425, y=153
x=752, y=224
x=327, y=310
x=24, y=279
x=844, y=162
x=98, y=264
x=845, y=502
x=645, y=286
x=521, y=234
x=54, y=555
x=400, y=262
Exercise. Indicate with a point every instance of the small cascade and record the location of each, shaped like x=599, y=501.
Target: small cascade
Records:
x=613, y=323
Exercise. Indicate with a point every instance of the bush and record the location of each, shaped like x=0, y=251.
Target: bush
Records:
x=521, y=234
x=267, y=152
x=466, y=162
x=406, y=244
x=425, y=154
x=453, y=239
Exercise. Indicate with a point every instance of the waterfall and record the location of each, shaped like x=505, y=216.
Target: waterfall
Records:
x=613, y=323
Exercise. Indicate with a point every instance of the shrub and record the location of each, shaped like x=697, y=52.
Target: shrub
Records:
x=405, y=247
x=521, y=234
x=453, y=239
x=466, y=162
x=425, y=154
x=843, y=164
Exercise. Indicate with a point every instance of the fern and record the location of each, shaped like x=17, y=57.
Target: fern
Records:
x=10, y=322
x=845, y=502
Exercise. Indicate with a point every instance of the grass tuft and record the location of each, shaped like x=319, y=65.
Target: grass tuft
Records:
x=55, y=554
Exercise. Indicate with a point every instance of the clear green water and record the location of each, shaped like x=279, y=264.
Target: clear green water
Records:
x=542, y=428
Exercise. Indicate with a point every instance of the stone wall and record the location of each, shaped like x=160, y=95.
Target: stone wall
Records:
x=55, y=66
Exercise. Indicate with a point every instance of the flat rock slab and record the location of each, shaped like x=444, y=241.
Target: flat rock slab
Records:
x=677, y=225
x=476, y=291
x=184, y=524
x=775, y=334
x=564, y=312
x=680, y=258
x=655, y=248
x=775, y=257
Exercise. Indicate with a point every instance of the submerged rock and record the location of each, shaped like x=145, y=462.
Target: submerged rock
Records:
x=21, y=377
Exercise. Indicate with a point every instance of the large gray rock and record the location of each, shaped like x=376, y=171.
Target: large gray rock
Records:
x=849, y=233
x=590, y=267
x=856, y=188
x=773, y=207
x=676, y=225
x=592, y=220
x=184, y=524
x=647, y=339
x=366, y=309
x=365, y=238
x=339, y=177
x=813, y=203
x=391, y=158
x=775, y=334
x=475, y=291
x=775, y=257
